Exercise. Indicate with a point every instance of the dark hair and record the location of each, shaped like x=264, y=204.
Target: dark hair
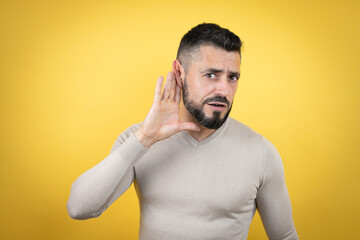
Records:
x=206, y=34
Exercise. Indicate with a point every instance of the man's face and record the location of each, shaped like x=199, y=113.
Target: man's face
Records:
x=210, y=85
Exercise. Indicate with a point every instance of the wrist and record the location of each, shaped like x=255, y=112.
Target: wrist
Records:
x=143, y=139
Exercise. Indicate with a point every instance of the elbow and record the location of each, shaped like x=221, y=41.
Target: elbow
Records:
x=75, y=211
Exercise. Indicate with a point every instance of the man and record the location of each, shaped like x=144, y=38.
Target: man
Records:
x=198, y=173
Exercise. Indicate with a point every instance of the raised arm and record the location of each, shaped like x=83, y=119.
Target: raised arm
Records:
x=100, y=186
x=273, y=201
x=96, y=189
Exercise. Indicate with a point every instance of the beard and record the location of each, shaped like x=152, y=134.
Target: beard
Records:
x=196, y=110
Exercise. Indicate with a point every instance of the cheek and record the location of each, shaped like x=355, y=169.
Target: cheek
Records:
x=206, y=94
x=201, y=92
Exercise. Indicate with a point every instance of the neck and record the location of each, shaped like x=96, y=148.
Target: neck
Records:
x=185, y=116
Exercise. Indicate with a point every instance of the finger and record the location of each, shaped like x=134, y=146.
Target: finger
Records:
x=178, y=94
x=159, y=84
x=189, y=126
x=173, y=87
x=166, y=90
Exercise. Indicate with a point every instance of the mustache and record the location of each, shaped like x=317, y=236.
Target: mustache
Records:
x=217, y=99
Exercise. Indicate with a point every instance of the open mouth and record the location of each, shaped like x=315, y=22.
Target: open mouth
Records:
x=217, y=106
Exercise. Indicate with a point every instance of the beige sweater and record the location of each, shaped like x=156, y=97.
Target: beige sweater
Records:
x=192, y=190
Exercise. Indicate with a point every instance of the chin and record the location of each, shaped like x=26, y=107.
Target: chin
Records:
x=211, y=115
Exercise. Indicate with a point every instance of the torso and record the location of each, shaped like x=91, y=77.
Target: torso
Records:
x=200, y=190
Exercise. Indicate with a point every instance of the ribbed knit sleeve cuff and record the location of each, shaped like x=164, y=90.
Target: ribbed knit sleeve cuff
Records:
x=131, y=150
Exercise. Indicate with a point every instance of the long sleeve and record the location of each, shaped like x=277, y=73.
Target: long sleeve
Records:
x=97, y=188
x=273, y=201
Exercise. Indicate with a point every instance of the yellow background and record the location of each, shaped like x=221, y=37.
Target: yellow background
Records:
x=75, y=74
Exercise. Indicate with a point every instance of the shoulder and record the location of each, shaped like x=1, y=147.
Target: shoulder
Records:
x=271, y=156
x=241, y=131
x=271, y=162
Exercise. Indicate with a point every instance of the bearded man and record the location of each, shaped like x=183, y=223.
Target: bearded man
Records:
x=198, y=173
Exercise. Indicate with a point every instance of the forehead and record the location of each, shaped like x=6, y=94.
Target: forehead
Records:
x=214, y=57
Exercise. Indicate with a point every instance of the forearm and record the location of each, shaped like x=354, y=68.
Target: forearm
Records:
x=94, y=190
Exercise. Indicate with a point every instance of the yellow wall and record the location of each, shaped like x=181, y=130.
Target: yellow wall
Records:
x=75, y=74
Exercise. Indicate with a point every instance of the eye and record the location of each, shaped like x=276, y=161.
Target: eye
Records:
x=210, y=75
x=233, y=78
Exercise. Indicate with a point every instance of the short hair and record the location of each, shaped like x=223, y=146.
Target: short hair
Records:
x=206, y=34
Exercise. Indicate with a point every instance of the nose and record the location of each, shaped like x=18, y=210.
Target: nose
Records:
x=221, y=87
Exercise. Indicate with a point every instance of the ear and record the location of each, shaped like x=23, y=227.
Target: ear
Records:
x=179, y=72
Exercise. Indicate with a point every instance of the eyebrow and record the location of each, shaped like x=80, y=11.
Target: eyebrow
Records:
x=214, y=70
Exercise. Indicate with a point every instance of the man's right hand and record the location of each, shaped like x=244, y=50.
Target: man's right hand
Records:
x=162, y=121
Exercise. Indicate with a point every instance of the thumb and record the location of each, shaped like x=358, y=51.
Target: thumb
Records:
x=189, y=126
